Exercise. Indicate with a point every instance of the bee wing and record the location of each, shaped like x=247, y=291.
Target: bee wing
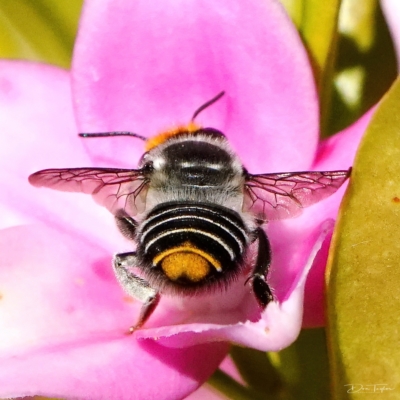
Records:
x=115, y=189
x=284, y=195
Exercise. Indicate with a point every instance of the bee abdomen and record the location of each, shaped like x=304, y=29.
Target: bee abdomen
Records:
x=191, y=241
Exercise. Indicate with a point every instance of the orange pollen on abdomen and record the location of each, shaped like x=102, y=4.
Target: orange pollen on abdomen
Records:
x=188, y=265
x=187, y=261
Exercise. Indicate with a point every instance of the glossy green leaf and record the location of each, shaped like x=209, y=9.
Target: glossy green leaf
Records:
x=364, y=274
x=40, y=30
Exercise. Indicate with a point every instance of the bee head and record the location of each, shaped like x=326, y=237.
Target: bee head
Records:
x=191, y=128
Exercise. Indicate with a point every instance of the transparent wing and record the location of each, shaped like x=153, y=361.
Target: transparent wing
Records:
x=115, y=189
x=284, y=195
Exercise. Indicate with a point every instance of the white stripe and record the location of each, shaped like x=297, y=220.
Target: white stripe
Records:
x=182, y=207
x=216, y=239
x=238, y=241
x=202, y=164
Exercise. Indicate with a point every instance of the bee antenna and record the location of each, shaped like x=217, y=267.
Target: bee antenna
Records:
x=205, y=105
x=107, y=134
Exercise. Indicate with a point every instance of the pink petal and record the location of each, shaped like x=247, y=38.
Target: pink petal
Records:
x=39, y=132
x=208, y=392
x=314, y=297
x=336, y=152
x=35, y=99
x=63, y=320
x=146, y=66
x=110, y=369
x=292, y=243
x=278, y=327
x=391, y=9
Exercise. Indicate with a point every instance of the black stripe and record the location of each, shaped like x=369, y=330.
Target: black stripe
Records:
x=201, y=222
x=216, y=230
x=216, y=220
x=220, y=215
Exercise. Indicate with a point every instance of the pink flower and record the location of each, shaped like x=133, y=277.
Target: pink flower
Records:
x=145, y=66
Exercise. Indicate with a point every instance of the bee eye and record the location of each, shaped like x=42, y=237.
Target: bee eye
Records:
x=148, y=167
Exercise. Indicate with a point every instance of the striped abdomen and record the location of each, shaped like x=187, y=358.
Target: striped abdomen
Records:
x=191, y=243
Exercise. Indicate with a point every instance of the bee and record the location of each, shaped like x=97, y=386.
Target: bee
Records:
x=193, y=211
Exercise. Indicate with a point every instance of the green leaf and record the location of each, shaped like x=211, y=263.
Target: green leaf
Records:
x=303, y=366
x=258, y=372
x=319, y=30
x=364, y=274
x=295, y=373
x=40, y=30
x=317, y=23
x=365, y=65
x=233, y=390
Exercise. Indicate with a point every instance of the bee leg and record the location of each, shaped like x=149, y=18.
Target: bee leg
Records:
x=260, y=287
x=126, y=225
x=135, y=286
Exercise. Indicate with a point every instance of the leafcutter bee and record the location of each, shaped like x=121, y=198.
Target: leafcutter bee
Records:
x=193, y=210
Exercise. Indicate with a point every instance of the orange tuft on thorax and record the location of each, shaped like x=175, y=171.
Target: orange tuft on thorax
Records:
x=164, y=136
